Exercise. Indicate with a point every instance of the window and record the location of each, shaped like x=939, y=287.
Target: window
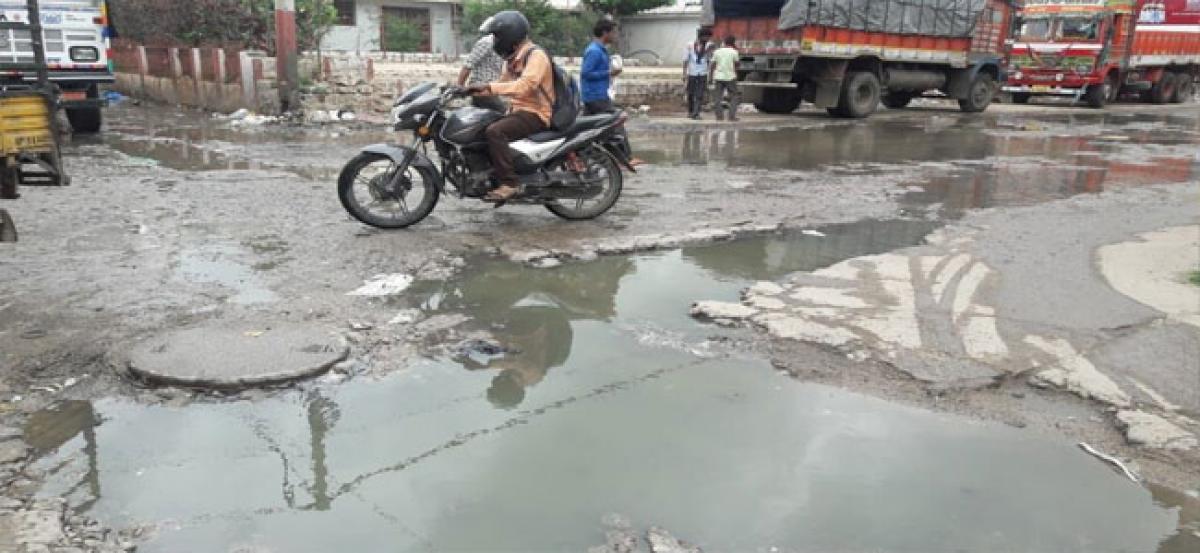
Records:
x=1036, y=29
x=1078, y=28
x=345, y=11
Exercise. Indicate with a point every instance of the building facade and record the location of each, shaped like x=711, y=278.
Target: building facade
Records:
x=393, y=25
x=661, y=35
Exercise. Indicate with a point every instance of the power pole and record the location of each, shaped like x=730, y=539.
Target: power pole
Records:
x=285, y=51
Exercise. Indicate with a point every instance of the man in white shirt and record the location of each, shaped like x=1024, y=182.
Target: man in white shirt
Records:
x=483, y=66
x=695, y=70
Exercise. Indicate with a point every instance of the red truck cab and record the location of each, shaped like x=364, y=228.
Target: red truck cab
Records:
x=1096, y=50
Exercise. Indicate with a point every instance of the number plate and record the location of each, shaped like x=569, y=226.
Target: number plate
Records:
x=32, y=141
x=1041, y=88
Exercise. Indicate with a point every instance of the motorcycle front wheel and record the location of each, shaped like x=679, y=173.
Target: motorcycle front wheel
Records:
x=603, y=168
x=363, y=188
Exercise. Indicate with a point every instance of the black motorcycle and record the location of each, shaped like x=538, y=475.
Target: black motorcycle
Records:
x=576, y=173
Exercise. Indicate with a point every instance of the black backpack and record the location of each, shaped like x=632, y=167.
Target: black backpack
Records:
x=566, y=105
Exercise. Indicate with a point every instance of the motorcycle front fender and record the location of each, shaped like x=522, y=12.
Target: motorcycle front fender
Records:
x=415, y=158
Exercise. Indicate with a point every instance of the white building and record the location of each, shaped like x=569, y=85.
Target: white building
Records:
x=661, y=34
x=362, y=24
x=656, y=35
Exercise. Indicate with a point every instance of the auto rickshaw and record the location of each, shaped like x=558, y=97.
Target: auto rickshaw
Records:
x=29, y=131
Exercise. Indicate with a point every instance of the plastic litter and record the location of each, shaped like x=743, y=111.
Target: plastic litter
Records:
x=1110, y=460
x=383, y=285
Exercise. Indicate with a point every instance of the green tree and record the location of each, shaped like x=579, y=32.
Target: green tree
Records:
x=562, y=33
x=618, y=8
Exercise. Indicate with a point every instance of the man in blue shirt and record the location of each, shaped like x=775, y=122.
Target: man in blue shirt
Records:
x=595, y=77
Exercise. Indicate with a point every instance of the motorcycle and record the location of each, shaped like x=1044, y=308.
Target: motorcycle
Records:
x=576, y=174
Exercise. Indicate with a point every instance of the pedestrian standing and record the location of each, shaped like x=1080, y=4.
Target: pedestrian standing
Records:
x=595, y=77
x=483, y=66
x=596, y=72
x=724, y=77
x=695, y=71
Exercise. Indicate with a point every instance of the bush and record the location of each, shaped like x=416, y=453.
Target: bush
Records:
x=245, y=23
x=561, y=33
x=402, y=36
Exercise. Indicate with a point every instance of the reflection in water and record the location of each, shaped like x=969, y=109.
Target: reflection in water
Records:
x=1030, y=183
x=530, y=314
x=719, y=449
x=53, y=428
x=770, y=257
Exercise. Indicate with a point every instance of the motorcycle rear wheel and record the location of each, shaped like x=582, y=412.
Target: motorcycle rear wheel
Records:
x=361, y=189
x=600, y=164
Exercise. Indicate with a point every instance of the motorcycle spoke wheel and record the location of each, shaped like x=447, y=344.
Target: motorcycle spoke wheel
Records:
x=601, y=167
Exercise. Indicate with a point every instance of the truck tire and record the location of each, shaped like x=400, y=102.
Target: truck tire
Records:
x=861, y=93
x=1163, y=90
x=1185, y=87
x=898, y=100
x=1098, y=96
x=1020, y=97
x=85, y=120
x=979, y=95
x=778, y=101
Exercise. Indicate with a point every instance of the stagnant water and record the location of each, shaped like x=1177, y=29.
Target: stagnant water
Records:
x=610, y=400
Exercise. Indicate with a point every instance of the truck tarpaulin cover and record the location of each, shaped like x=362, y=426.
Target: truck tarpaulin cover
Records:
x=949, y=18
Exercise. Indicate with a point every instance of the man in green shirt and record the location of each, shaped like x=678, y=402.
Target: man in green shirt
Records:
x=724, y=75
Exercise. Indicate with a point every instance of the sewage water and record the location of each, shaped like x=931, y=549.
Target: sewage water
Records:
x=607, y=399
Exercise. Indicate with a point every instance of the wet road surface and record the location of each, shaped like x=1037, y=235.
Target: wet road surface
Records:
x=603, y=397
x=611, y=400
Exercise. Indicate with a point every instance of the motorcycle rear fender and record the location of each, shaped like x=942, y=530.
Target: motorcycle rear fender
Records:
x=398, y=153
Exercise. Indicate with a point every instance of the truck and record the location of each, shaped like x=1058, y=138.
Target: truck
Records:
x=848, y=56
x=77, y=43
x=1099, y=50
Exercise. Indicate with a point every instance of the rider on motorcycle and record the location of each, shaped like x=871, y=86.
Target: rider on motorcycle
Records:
x=529, y=82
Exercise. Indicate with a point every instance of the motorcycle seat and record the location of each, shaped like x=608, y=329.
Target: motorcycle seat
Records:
x=582, y=123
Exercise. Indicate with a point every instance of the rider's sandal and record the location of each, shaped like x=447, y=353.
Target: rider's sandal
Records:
x=501, y=195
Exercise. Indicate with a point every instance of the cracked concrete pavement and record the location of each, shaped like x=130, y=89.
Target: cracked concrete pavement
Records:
x=176, y=221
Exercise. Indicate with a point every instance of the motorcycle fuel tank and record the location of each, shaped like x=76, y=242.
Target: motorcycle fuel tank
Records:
x=466, y=125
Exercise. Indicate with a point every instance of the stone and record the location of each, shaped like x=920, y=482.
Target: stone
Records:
x=39, y=527
x=231, y=356
x=764, y=288
x=1149, y=430
x=10, y=433
x=765, y=303
x=547, y=263
x=721, y=310
x=662, y=541
x=407, y=316
x=12, y=451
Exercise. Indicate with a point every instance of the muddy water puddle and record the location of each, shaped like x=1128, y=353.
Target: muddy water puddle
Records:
x=958, y=163
x=600, y=396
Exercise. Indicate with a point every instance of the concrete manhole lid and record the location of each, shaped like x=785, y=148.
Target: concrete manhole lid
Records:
x=233, y=356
